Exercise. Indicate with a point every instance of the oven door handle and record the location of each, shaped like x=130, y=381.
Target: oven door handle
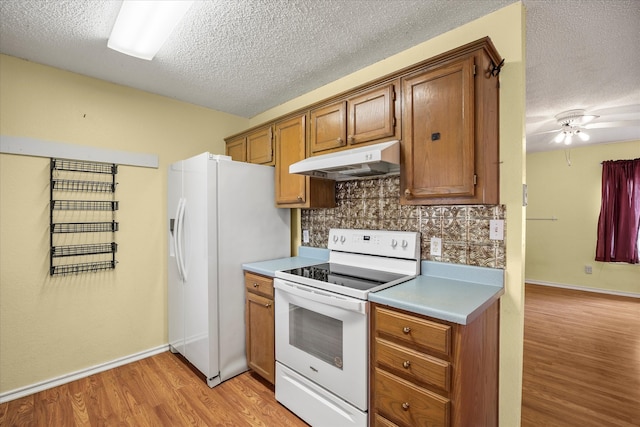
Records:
x=322, y=297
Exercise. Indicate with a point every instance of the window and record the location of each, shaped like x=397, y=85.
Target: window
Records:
x=620, y=212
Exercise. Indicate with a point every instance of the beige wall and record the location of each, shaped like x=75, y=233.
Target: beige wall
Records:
x=557, y=251
x=506, y=28
x=49, y=328
x=54, y=326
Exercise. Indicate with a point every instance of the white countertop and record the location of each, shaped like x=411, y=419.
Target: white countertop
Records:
x=451, y=292
x=306, y=256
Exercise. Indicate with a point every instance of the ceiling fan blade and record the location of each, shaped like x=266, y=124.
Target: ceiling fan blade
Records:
x=547, y=131
x=618, y=124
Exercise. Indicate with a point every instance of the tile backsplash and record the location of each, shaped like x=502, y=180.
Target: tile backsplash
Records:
x=374, y=203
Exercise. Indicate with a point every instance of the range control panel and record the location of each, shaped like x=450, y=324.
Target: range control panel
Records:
x=398, y=244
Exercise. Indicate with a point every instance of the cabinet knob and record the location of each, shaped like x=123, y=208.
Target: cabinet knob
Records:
x=340, y=141
x=299, y=197
x=268, y=305
x=407, y=194
x=255, y=285
x=405, y=406
x=350, y=139
x=406, y=364
x=406, y=329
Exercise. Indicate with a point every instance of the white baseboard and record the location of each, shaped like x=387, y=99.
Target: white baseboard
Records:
x=67, y=378
x=584, y=288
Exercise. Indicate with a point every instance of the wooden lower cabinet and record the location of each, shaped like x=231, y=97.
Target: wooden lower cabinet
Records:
x=428, y=372
x=260, y=325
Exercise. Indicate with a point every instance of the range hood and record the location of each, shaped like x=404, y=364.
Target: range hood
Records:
x=370, y=160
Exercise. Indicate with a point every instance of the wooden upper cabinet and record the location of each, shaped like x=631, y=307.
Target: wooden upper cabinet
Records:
x=450, y=133
x=260, y=146
x=439, y=132
x=329, y=127
x=237, y=148
x=255, y=146
x=293, y=190
x=366, y=117
x=290, y=144
x=444, y=111
x=372, y=116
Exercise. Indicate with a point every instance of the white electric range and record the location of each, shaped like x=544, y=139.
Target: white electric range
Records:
x=322, y=325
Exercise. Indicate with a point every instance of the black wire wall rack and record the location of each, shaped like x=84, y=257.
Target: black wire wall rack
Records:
x=76, y=185
x=81, y=178
x=87, y=267
x=84, y=227
x=84, y=205
x=88, y=249
x=80, y=166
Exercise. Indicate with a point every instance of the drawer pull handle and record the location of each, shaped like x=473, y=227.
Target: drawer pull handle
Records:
x=405, y=406
x=406, y=329
x=406, y=364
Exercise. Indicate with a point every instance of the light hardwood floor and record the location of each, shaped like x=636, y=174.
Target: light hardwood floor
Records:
x=581, y=368
x=158, y=391
x=581, y=359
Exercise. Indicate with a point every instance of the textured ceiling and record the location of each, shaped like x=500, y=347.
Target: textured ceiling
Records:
x=244, y=57
x=583, y=54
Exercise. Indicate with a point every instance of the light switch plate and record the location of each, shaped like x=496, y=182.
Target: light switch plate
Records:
x=305, y=236
x=436, y=246
x=496, y=229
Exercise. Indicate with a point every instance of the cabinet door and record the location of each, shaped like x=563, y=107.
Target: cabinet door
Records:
x=372, y=115
x=328, y=127
x=260, y=146
x=438, y=134
x=290, y=145
x=260, y=336
x=237, y=149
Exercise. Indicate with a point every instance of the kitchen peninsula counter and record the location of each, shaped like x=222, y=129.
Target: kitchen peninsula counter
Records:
x=451, y=292
x=306, y=256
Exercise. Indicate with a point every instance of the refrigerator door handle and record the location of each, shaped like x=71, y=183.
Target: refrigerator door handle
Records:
x=178, y=239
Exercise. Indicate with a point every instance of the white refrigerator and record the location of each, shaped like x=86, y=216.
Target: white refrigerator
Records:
x=221, y=214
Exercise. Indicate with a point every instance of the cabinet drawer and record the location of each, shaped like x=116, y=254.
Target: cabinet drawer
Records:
x=413, y=365
x=408, y=404
x=414, y=330
x=379, y=421
x=258, y=284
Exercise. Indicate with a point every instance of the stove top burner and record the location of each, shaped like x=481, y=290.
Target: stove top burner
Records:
x=345, y=275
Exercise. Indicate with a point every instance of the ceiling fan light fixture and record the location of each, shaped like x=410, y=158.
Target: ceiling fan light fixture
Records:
x=584, y=137
x=142, y=27
x=559, y=137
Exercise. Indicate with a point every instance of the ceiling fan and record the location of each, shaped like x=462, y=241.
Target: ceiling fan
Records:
x=574, y=124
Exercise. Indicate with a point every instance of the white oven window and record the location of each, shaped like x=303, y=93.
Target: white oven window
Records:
x=316, y=334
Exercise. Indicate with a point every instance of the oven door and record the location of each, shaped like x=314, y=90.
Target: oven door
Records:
x=324, y=337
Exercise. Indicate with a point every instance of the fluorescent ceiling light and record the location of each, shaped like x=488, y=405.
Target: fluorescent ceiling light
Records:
x=142, y=27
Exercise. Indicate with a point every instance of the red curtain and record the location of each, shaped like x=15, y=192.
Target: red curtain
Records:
x=620, y=212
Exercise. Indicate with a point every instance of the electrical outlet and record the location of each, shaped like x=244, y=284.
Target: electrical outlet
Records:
x=305, y=236
x=588, y=269
x=436, y=246
x=496, y=229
